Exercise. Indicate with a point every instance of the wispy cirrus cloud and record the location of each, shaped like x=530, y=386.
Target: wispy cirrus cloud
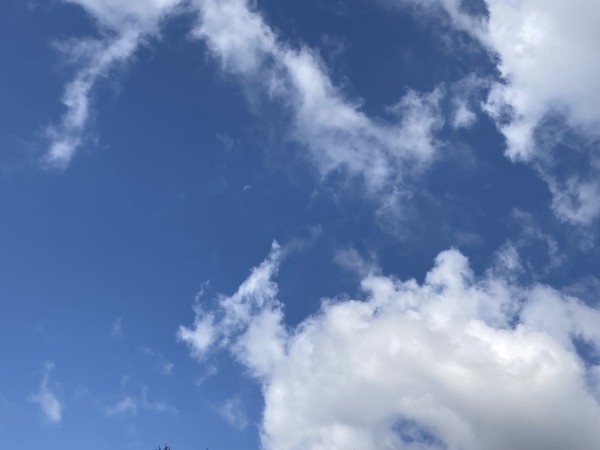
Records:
x=337, y=134
x=126, y=406
x=124, y=27
x=163, y=364
x=46, y=398
x=430, y=365
x=130, y=405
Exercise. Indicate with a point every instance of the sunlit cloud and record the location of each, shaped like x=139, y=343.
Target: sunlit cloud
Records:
x=437, y=364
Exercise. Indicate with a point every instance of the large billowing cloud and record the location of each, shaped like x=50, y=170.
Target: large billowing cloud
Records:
x=548, y=56
x=458, y=361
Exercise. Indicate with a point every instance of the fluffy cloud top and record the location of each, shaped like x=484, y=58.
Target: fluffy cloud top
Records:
x=546, y=53
x=457, y=362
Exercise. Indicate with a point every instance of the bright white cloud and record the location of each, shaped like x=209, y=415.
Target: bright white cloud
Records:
x=100, y=58
x=458, y=361
x=546, y=52
x=118, y=15
x=548, y=57
x=254, y=296
x=124, y=26
x=334, y=130
x=336, y=133
x=46, y=399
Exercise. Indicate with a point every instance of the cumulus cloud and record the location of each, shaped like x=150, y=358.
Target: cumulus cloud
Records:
x=458, y=361
x=546, y=55
x=124, y=26
x=46, y=399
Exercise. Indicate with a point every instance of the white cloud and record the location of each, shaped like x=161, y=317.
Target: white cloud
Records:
x=123, y=407
x=585, y=288
x=575, y=200
x=117, y=14
x=46, y=399
x=233, y=413
x=337, y=135
x=234, y=313
x=124, y=26
x=100, y=58
x=464, y=117
x=458, y=361
x=333, y=129
x=546, y=52
x=548, y=57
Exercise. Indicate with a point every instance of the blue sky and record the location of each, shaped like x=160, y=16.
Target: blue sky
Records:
x=280, y=225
